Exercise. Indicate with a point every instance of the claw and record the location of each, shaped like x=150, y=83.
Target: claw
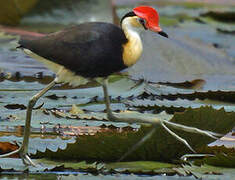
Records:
x=27, y=160
x=24, y=147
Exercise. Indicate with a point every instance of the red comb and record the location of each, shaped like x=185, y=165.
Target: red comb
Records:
x=149, y=14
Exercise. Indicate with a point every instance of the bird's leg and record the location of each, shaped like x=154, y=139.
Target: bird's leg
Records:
x=111, y=117
x=23, y=150
x=107, y=101
x=154, y=122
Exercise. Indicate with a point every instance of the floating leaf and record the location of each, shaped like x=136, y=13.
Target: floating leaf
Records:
x=75, y=110
x=221, y=16
x=207, y=171
x=228, y=141
x=178, y=105
x=41, y=144
x=194, y=84
x=81, y=166
x=221, y=160
x=9, y=164
x=45, y=165
x=224, y=150
x=141, y=167
x=110, y=146
x=172, y=93
x=138, y=167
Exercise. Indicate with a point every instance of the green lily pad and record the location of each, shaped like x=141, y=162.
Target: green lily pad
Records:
x=41, y=144
x=9, y=164
x=137, y=167
x=221, y=160
x=207, y=172
x=141, y=167
x=112, y=145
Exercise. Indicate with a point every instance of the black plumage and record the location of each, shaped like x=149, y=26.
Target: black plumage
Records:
x=90, y=49
x=129, y=14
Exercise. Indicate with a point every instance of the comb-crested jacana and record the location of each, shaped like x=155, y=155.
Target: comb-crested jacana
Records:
x=92, y=50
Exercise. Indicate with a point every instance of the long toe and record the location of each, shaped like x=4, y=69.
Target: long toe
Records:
x=25, y=158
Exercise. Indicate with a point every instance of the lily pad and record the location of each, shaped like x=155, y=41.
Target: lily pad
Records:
x=207, y=171
x=141, y=167
x=137, y=167
x=111, y=145
x=41, y=144
x=9, y=164
x=221, y=160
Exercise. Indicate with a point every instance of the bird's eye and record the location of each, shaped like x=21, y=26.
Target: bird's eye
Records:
x=143, y=22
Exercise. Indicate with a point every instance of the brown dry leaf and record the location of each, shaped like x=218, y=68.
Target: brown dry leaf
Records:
x=78, y=131
x=194, y=84
x=90, y=130
x=76, y=110
x=58, y=113
x=6, y=147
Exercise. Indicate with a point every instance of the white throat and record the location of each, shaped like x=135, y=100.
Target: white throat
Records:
x=133, y=48
x=128, y=25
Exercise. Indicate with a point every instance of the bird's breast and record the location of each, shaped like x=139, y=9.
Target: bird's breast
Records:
x=132, y=50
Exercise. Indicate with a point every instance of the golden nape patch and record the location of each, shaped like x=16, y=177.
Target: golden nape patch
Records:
x=63, y=75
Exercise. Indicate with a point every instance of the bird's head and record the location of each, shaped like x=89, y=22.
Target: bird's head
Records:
x=143, y=17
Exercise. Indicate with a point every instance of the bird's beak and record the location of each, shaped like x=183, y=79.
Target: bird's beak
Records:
x=162, y=33
x=158, y=30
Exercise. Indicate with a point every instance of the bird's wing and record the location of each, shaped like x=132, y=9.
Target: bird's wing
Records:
x=86, y=49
